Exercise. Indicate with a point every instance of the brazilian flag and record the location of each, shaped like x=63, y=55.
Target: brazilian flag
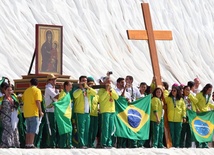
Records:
x=132, y=120
x=201, y=125
x=62, y=112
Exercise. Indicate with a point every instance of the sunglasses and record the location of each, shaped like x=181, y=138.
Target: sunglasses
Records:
x=174, y=90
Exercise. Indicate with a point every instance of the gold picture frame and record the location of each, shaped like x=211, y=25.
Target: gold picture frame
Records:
x=49, y=49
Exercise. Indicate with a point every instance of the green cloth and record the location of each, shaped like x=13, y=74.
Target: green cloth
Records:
x=107, y=129
x=175, y=132
x=157, y=134
x=185, y=140
x=74, y=131
x=161, y=134
x=140, y=143
x=201, y=125
x=62, y=112
x=65, y=140
x=51, y=140
x=133, y=119
x=83, y=123
x=99, y=130
x=38, y=137
x=93, y=130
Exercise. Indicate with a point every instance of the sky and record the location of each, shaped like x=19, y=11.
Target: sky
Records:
x=95, y=39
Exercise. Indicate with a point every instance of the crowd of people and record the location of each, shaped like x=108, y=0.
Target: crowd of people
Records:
x=29, y=121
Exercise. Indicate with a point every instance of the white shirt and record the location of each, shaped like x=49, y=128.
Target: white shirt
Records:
x=120, y=91
x=133, y=93
x=50, y=93
x=86, y=105
x=142, y=95
x=188, y=102
x=197, y=90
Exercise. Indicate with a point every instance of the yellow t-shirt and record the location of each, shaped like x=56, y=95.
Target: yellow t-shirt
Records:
x=30, y=96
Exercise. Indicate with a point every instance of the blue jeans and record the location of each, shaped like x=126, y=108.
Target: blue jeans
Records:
x=32, y=124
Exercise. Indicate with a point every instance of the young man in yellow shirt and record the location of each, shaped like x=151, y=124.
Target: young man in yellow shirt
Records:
x=32, y=98
x=82, y=102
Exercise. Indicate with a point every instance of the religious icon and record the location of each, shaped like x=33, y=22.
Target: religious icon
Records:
x=48, y=49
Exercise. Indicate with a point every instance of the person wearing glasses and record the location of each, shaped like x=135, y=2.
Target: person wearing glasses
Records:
x=176, y=113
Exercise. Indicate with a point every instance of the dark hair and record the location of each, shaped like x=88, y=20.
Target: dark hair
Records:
x=120, y=79
x=12, y=86
x=204, y=90
x=81, y=77
x=143, y=83
x=34, y=82
x=148, y=90
x=130, y=77
x=6, y=86
x=3, y=84
x=166, y=85
x=185, y=87
x=66, y=83
x=190, y=84
x=178, y=95
x=154, y=92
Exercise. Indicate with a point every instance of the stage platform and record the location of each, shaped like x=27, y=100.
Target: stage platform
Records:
x=112, y=151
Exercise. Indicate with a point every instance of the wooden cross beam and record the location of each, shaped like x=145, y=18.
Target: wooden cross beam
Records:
x=151, y=36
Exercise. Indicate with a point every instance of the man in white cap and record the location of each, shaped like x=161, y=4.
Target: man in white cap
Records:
x=51, y=95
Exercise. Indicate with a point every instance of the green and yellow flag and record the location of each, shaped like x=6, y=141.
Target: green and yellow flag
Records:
x=201, y=125
x=133, y=120
x=62, y=111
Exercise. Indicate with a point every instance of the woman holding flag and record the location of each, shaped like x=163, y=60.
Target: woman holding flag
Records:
x=190, y=102
x=204, y=104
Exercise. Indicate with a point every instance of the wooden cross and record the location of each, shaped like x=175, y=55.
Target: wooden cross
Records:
x=151, y=36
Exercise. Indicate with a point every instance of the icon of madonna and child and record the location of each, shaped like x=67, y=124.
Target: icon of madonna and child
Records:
x=49, y=53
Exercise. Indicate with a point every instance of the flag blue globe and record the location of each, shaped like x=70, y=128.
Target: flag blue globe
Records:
x=134, y=118
x=201, y=127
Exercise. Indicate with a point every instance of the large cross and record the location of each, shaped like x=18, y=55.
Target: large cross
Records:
x=151, y=36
